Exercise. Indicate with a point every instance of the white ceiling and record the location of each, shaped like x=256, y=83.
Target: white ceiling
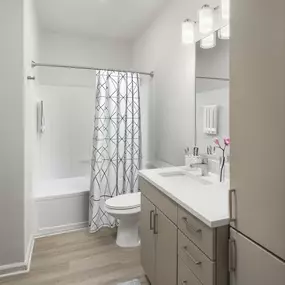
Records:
x=124, y=19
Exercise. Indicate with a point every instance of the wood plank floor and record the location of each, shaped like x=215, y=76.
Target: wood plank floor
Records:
x=80, y=258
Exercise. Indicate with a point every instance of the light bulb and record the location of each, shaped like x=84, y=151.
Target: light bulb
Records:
x=208, y=42
x=226, y=9
x=224, y=33
x=206, y=19
x=187, y=32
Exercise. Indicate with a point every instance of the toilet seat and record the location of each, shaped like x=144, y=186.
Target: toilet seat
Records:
x=124, y=202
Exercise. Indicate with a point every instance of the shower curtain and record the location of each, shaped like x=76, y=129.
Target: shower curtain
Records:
x=116, y=155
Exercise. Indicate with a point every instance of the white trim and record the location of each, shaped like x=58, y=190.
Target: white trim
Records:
x=13, y=269
x=19, y=267
x=66, y=195
x=44, y=232
x=29, y=253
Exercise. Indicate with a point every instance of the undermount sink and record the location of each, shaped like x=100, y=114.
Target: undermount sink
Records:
x=186, y=174
x=172, y=174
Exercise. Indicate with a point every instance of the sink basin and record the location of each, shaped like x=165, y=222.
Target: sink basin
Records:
x=173, y=174
x=186, y=174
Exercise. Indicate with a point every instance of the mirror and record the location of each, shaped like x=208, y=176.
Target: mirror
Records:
x=212, y=94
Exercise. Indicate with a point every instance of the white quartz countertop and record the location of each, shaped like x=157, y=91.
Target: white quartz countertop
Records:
x=207, y=202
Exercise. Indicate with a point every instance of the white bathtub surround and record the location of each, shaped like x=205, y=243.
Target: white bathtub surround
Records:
x=206, y=200
x=62, y=205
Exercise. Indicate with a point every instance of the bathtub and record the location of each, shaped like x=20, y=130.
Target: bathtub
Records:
x=62, y=205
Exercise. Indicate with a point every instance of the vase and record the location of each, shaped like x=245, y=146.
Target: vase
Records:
x=222, y=168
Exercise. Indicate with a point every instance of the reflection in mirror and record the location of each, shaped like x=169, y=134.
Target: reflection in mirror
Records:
x=214, y=62
x=212, y=94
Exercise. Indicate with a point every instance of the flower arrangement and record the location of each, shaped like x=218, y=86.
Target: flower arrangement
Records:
x=227, y=142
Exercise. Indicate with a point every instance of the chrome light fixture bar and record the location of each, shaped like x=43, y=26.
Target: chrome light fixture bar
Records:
x=205, y=23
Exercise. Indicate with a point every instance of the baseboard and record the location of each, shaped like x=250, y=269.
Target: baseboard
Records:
x=44, y=232
x=19, y=267
x=29, y=253
x=24, y=267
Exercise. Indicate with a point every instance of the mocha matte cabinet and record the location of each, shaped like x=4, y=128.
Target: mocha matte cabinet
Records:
x=257, y=127
x=159, y=245
x=176, y=247
x=250, y=264
x=257, y=122
x=148, y=239
x=166, y=250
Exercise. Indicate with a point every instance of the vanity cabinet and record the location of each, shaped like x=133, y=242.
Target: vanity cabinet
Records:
x=258, y=75
x=257, y=171
x=176, y=247
x=159, y=245
x=166, y=250
x=147, y=238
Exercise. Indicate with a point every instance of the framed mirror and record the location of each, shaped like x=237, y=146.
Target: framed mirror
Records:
x=212, y=93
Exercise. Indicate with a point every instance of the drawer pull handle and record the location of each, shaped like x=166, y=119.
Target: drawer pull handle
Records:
x=190, y=256
x=190, y=226
x=232, y=192
x=155, y=226
x=184, y=282
x=232, y=255
x=151, y=213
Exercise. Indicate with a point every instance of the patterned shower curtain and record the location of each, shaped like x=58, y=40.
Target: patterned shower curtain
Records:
x=116, y=155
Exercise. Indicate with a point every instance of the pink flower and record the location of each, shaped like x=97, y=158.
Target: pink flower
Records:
x=227, y=141
x=216, y=141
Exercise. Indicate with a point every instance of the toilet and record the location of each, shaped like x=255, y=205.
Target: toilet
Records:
x=126, y=208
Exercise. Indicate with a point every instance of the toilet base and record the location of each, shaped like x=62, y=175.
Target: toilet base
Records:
x=128, y=232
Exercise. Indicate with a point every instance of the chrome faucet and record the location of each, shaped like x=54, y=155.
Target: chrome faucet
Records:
x=204, y=166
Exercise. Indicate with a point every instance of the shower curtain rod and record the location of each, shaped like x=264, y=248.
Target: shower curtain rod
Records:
x=35, y=64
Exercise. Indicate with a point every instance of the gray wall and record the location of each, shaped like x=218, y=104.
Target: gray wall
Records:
x=12, y=133
x=171, y=107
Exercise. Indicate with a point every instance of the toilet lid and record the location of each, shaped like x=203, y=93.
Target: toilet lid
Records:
x=125, y=201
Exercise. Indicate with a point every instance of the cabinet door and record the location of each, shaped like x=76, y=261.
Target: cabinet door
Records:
x=257, y=119
x=252, y=265
x=147, y=238
x=166, y=250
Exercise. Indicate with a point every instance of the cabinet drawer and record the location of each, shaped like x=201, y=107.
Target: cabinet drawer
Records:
x=168, y=207
x=198, y=232
x=196, y=260
x=185, y=275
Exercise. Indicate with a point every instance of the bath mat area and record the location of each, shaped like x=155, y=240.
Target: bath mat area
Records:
x=133, y=282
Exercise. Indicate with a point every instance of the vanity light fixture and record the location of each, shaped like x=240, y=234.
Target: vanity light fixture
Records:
x=224, y=33
x=206, y=19
x=225, y=9
x=209, y=42
x=188, y=36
